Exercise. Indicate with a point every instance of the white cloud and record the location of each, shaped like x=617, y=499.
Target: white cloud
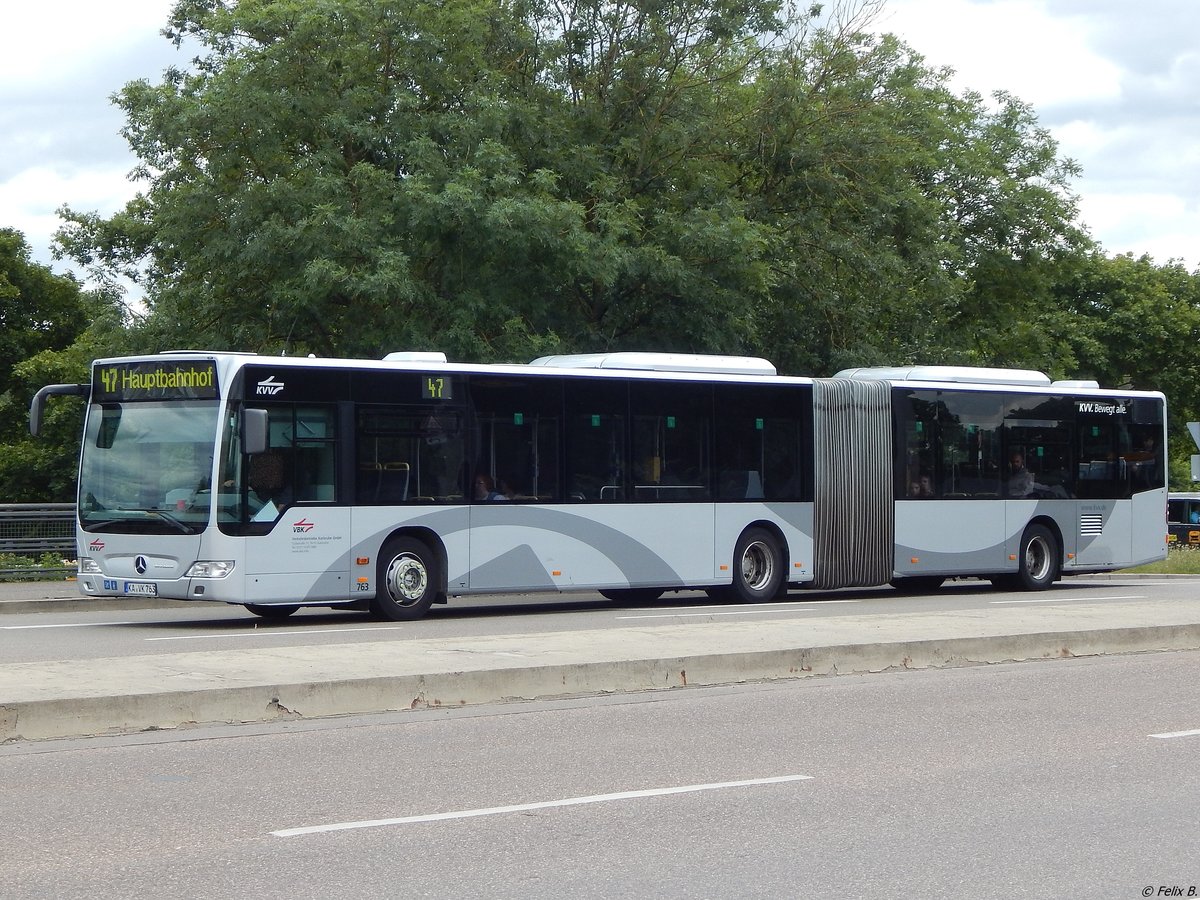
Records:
x=48, y=43
x=1163, y=226
x=60, y=63
x=1116, y=86
x=91, y=188
x=1011, y=45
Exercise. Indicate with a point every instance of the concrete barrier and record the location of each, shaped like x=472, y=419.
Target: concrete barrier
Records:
x=72, y=698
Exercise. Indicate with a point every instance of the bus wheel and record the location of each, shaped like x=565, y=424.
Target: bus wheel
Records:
x=632, y=596
x=271, y=612
x=757, y=567
x=407, y=582
x=1039, y=559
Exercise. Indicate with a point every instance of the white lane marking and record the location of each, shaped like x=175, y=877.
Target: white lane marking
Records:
x=547, y=804
x=66, y=625
x=273, y=632
x=740, y=612
x=1177, y=734
x=1072, y=599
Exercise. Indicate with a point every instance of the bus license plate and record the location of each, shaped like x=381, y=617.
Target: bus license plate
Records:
x=144, y=588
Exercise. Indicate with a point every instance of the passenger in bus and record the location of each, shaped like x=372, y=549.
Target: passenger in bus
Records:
x=269, y=488
x=507, y=487
x=921, y=487
x=1021, y=482
x=485, y=488
x=1144, y=463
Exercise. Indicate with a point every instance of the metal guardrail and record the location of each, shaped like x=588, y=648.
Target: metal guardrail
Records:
x=32, y=529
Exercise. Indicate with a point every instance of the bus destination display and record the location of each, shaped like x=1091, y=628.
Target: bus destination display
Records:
x=194, y=380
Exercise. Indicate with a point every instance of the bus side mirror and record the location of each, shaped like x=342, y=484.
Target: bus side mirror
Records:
x=38, y=405
x=255, y=431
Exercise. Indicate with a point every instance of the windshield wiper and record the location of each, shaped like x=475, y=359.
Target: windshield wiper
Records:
x=171, y=520
x=106, y=523
x=158, y=514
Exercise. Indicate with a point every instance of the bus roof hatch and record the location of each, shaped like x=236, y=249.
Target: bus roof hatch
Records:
x=957, y=374
x=661, y=362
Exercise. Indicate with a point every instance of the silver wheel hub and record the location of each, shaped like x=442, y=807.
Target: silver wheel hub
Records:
x=758, y=565
x=1037, y=559
x=407, y=578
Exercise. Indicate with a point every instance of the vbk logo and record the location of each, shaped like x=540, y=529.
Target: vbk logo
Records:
x=97, y=544
x=302, y=525
x=269, y=386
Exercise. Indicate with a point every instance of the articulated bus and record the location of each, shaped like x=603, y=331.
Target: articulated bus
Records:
x=391, y=485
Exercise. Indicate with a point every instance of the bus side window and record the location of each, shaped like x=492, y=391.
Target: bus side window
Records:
x=517, y=435
x=915, y=440
x=315, y=445
x=1039, y=429
x=1144, y=458
x=671, y=427
x=406, y=454
x=757, y=446
x=970, y=463
x=596, y=413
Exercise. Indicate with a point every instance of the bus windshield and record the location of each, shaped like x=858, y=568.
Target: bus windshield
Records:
x=147, y=466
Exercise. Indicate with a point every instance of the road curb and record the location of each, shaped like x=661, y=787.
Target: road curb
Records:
x=458, y=686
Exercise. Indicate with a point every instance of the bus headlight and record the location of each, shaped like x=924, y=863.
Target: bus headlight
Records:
x=210, y=568
x=88, y=566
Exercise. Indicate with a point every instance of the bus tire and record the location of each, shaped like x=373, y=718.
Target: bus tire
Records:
x=271, y=612
x=407, y=580
x=1039, y=559
x=757, y=567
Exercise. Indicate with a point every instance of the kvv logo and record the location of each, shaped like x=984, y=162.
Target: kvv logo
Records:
x=269, y=386
x=1101, y=407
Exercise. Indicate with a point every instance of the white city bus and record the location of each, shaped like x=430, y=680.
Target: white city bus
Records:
x=391, y=485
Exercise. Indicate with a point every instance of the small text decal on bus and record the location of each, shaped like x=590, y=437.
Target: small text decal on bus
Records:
x=1101, y=407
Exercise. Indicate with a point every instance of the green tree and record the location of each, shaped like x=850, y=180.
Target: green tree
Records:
x=913, y=221
x=1127, y=321
x=498, y=178
x=38, y=309
x=43, y=317
x=485, y=177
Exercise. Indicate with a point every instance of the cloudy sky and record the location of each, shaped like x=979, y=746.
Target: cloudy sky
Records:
x=1115, y=82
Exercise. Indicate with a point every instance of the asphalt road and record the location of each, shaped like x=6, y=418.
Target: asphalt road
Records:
x=1071, y=778
x=75, y=634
